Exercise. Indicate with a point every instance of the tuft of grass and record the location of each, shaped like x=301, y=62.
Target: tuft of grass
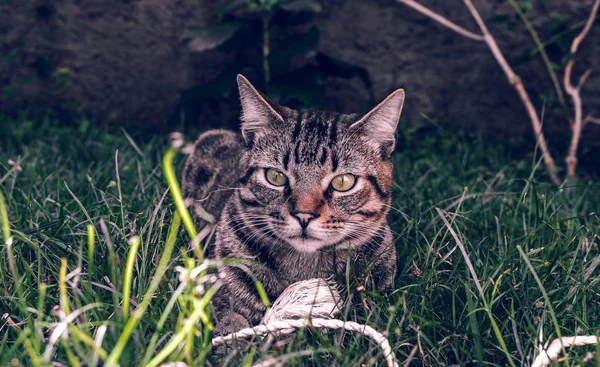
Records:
x=491, y=257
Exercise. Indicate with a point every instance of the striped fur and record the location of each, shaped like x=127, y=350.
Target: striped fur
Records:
x=305, y=228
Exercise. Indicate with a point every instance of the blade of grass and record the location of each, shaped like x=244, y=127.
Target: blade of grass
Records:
x=119, y=188
x=171, y=178
x=479, y=288
x=62, y=284
x=474, y=324
x=547, y=299
x=134, y=242
x=136, y=316
x=161, y=322
x=4, y=215
x=198, y=314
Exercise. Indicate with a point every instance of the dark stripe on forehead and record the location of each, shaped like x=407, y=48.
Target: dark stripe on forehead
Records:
x=286, y=160
x=333, y=131
x=297, y=137
x=314, y=135
x=323, y=158
x=297, y=152
x=298, y=126
x=334, y=161
x=382, y=194
x=244, y=179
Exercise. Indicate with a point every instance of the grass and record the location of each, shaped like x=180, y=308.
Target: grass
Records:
x=490, y=257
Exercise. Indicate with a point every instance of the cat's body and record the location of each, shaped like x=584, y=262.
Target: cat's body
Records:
x=312, y=191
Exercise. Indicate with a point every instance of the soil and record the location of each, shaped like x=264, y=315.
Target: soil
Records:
x=125, y=62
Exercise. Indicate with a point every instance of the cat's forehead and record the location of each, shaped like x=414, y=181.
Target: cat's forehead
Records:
x=315, y=134
x=312, y=139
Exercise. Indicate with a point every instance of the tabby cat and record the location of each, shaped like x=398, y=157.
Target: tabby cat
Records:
x=298, y=193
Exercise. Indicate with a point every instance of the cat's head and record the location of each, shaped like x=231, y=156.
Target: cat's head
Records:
x=313, y=179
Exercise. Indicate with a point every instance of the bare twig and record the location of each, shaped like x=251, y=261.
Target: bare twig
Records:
x=440, y=19
x=573, y=91
x=583, y=79
x=512, y=77
x=591, y=120
x=518, y=84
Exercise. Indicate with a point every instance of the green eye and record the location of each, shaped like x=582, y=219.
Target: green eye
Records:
x=275, y=177
x=343, y=182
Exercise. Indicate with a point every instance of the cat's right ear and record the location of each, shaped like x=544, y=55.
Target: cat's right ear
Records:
x=257, y=111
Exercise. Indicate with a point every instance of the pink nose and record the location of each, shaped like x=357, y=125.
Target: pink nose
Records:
x=304, y=217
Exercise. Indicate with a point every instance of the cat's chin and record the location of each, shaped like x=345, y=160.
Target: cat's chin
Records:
x=306, y=245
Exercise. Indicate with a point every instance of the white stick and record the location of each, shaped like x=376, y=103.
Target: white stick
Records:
x=288, y=326
x=440, y=19
x=554, y=350
x=574, y=92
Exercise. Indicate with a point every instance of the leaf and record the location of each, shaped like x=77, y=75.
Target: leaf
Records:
x=526, y=6
x=298, y=44
x=556, y=24
x=225, y=8
x=302, y=6
x=268, y=5
x=208, y=38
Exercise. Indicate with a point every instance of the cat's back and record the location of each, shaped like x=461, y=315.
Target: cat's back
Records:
x=210, y=172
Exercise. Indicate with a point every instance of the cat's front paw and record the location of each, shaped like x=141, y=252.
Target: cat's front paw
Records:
x=230, y=322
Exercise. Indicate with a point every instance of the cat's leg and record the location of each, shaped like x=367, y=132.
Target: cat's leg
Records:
x=238, y=304
x=383, y=264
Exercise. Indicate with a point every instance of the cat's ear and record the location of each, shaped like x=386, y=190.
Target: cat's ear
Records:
x=257, y=110
x=379, y=124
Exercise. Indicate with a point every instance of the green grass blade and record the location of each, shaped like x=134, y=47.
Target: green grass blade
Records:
x=134, y=244
x=136, y=316
x=171, y=178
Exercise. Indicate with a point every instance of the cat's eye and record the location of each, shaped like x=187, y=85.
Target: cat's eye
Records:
x=275, y=177
x=343, y=182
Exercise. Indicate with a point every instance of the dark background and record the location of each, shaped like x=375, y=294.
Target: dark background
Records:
x=165, y=64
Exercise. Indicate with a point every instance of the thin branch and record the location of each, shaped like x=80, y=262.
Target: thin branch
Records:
x=289, y=326
x=591, y=120
x=551, y=354
x=512, y=77
x=518, y=84
x=574, y=92
x=541, y=49
x=440, y=19
x=583, y=79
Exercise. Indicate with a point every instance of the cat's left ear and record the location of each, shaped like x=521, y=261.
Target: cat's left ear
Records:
x=379, y=124
x=257, y=111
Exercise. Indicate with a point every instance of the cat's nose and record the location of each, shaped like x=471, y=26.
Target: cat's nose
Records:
x=304, y=217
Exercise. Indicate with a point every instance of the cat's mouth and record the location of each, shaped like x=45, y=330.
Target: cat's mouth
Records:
x=306, y=244
x=306, y=241
x=303, y=236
